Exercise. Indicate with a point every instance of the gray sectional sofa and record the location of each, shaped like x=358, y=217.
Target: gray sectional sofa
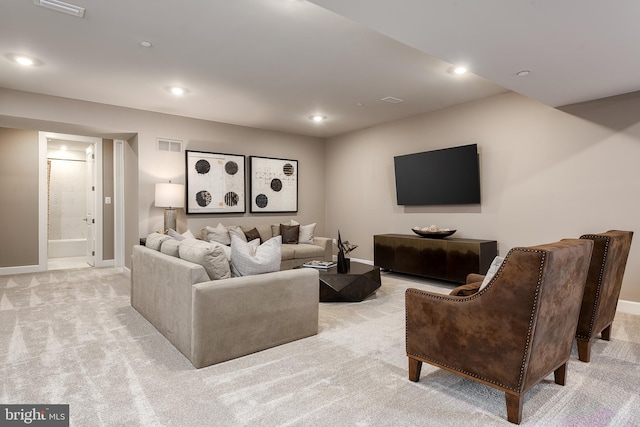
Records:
x=211, y=321
x=308, y=247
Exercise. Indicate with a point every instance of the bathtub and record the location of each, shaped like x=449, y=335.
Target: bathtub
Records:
x=67, y=248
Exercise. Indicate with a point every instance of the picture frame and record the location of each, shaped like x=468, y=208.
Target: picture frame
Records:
x=274, y=185
x=215, y=182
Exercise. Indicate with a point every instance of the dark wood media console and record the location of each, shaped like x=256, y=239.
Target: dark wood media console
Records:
x=446, y=259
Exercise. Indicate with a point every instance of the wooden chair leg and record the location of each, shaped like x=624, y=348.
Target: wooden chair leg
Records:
x=606, y=333
x=414, y=369
x=584, y=350
x=560, y=374
x=514, y=407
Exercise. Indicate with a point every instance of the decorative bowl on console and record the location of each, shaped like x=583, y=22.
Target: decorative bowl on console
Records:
x=433, y=232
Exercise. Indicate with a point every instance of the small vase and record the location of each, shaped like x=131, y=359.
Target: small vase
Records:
x=343, y=263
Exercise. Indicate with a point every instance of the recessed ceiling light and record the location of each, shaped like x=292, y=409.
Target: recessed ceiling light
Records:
x=176, y=90
x=523, y=73
x=145, y=44
x=59, y=6
x=318, y=118
x=23, y=60
x=459, y=70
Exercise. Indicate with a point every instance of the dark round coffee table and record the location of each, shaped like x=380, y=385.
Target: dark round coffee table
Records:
x=359, y=283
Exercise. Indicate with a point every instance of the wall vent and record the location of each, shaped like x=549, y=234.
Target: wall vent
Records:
x=392, y=100
x=172, y=145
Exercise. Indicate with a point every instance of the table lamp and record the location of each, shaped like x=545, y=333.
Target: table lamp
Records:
x=169, y=196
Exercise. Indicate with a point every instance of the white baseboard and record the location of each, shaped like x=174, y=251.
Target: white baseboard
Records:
x=5, y=271
x=103, y=263
x=630, y=307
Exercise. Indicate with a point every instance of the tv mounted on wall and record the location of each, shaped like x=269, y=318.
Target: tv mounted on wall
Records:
x=450, y=176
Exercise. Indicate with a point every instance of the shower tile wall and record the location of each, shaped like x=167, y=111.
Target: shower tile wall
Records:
x=67, y=200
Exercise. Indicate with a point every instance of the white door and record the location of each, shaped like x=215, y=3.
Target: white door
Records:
x=90, y=218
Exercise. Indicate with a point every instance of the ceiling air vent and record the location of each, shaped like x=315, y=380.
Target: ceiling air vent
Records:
x=59, y=6
x=392, y=100
x=172, y=145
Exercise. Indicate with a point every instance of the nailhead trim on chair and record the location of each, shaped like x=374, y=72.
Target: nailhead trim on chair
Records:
x=596, y=301
x=527, y=347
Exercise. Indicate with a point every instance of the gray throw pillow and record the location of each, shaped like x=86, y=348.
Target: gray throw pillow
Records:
x=208, y=255
x=170, y=247
x=155, y=240
x=218, y=234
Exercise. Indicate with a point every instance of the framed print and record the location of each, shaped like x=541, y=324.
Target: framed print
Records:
x=274, y=185
x=215, y=183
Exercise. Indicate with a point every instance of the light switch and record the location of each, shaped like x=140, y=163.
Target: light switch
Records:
x=107, y=200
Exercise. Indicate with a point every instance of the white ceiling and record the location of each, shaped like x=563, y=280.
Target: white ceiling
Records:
x=576, y=50
x=272, y=63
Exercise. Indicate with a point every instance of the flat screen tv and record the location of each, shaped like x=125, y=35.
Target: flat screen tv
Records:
x=450, y=176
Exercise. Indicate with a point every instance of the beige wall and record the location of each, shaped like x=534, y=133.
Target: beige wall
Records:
x=19, y=197
x=107, y=191
x=19, y=170
x=156, y=166
x=131, y=220
x=545, y=174
x=47, y=113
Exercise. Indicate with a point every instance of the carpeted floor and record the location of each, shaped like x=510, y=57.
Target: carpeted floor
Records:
x=71, y=337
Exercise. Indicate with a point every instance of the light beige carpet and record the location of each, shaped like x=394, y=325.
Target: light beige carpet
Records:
x=71, y=337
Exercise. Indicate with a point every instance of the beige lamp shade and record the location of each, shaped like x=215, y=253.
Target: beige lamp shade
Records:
x=169, y=195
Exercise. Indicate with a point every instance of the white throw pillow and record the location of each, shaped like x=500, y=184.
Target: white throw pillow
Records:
x=186, y=235
x=208, y=255
x=306, y=232
x=219, y=234
x=493, y=269
x=155, y=240
x=252, y=258
x=235, y=230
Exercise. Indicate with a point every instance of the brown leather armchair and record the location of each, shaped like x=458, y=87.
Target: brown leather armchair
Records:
x=514, y=332
x=608, y=262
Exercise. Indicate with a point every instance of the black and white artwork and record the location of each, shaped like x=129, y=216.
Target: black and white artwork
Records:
x=274, y=185
x=215, y=183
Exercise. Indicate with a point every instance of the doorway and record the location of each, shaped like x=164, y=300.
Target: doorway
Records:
x=72, y=231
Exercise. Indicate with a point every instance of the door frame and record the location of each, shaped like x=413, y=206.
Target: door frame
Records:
x=118, y=202
x=43, y=194
x=91, y=205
